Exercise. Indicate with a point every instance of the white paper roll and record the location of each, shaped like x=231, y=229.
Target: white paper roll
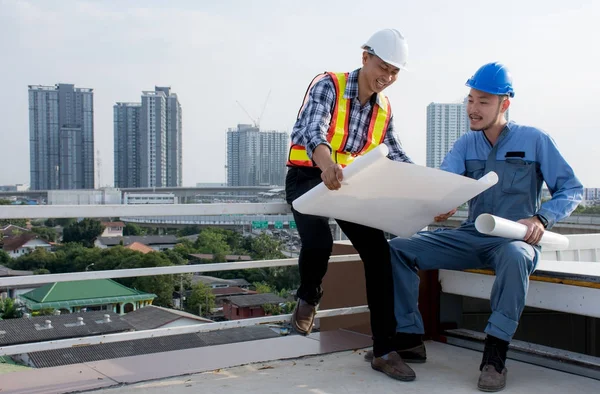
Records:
x=500, y=227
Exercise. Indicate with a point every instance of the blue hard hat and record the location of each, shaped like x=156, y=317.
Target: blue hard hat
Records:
x=493, y=78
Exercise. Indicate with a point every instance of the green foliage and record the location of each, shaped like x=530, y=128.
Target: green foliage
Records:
x=39, y=258
x=5, y=259
x=188, y=230
x=271, y=309
x=43, y=312
x=132, y=229
x=200, y=298
x=581, y=210
x=212, y=242
x=84, y=232
x=48, y=234
x=265, y=247
x=8, y=309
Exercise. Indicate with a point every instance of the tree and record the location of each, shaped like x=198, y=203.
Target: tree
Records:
x=175, y=258
x=39, y=258
x=84, y=232
x=161, y=285
x=65, y=222
x=8, y=309
x=201, y=301
x=211, y=242
x=132, y=229
x=188, y=230
x=281, y=309
x=5, y=259
x=49, y=234
x=265, y=247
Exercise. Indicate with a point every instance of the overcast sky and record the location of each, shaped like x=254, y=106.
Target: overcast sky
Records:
x=214, y=54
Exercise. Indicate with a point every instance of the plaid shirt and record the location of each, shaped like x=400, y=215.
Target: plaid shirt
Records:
x=311, y=128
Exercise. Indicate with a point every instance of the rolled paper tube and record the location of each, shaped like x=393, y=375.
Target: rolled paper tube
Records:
x=500, y=227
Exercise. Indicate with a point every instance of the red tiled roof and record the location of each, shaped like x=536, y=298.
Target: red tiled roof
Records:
x=113, y=224
x=140, y=247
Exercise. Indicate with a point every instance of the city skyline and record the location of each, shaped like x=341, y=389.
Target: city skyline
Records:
x=113, y=48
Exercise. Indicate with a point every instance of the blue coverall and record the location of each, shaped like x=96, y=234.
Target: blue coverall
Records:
x=523, y=157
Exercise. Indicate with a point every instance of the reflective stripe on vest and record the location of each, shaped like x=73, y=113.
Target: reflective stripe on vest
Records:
x=337, y=135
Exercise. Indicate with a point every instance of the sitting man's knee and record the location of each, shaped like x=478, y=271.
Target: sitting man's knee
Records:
x=518, y=254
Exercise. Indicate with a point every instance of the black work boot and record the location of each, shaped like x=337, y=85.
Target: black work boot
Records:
x=409, y=346
x=493, y=370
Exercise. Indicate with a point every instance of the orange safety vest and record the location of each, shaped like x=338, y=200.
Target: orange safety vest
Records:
x=338, y=128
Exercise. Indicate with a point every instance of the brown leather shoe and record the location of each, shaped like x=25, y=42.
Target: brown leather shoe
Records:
x=303, y=317
x=417, y=354
x=394, y=367
x=490, y=380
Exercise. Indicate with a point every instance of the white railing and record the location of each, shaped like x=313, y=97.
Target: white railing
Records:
x=179, y=269
x=452, y=282
x=95, y=211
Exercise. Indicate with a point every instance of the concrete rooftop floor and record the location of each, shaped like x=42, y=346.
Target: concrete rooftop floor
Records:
x=449, y=369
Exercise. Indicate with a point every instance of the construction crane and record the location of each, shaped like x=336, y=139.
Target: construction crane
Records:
x=256, y=122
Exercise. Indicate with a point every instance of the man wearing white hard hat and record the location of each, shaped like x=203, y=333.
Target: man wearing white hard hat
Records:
x=345, y=115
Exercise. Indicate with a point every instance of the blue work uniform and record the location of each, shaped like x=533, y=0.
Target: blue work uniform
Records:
x=524, y=158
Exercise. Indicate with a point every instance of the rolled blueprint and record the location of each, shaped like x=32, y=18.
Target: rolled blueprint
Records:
x=500, y=227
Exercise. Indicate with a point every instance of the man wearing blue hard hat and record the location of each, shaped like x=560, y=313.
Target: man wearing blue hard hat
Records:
x=524, y=158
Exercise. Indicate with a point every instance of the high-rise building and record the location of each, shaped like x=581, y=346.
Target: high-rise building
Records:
x=256, y=158
x=153, y=139
x=61, y=137
x=148, y=141
x=274, y=148
x=174, y=138
x=446, y=122
x=126, y=134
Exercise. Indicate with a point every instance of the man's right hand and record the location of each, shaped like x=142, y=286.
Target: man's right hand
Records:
x=333, y=176
x=331, y=172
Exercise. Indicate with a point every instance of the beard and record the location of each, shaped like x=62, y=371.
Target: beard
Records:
x=491, y=122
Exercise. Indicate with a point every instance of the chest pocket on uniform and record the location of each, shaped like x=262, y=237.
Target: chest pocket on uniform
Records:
x=517, y=176
x=474, y=168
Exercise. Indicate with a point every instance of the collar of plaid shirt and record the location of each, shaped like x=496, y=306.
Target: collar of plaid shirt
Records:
x=351, y=91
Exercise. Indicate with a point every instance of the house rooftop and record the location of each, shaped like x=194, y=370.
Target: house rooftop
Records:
x=139, y=247
x=143, y=239
x=81, y=293
x=152, y=317
x=254, y=299
x=15, y=242
x=116, y=350
x=5, y=271
x=34, y=329
x=212, y=281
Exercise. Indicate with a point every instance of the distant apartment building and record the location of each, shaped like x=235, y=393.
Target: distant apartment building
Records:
x=148, y=141
x=256, y=158
x=61, y=137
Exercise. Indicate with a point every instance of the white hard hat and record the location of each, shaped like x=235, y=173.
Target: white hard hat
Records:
x=390, y=46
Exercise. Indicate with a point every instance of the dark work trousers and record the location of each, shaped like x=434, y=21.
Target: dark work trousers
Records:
x=317, y=242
